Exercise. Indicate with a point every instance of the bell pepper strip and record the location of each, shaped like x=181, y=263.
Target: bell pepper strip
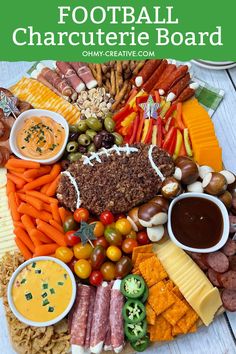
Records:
x=140, y=128
x=169, y=138
x=187, y=143
x=141, y=99
x=132, y=102
x=170, y=111
x=164, y=109
x=148, y=136
x=124, y=112
x=133, y=93
x=135, y=331
x=145, y=130
x=159, y=132
x=179, y=142
x=141, y=344
x=170, y=123
x=182, y=151
x=129, y=119
x=178, y=118
x=135, y=129
x=171, y=148
x=154, y=135
x=157, y=96
x=132, y=286
x=133, y=311
x=129, y=132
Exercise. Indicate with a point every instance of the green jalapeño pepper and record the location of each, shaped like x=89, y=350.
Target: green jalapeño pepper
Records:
x=145, y=295
x=133, y=286
x=141, y=344
x=135, y=331
x=133, y=311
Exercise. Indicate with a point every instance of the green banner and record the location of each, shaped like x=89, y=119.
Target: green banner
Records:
x=97, y=31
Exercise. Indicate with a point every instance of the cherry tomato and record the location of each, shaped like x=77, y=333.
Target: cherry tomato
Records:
x=71, y=239
x=99, y=228
x=82, y=251
x=113, y=236
x=83, y=269
x=108, y=271
x=101, y=241
x=97, y=257
x=142, y=238
x=81, y=214
x=123, y=225
x=64, y=254
x=119, y=216
x=114, y=253
x=128, y=245
x=71, y=264
x=132, y=234
x=123, y=267
x=106, y=217
x=70, y=224
x=96, y=278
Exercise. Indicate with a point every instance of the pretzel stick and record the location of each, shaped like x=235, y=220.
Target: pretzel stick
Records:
x=138, y=67
x=113, y=83
x=120, y=95
x=99, y=74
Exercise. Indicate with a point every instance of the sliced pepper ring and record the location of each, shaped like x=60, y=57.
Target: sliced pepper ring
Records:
x=135, y=331
x=133, y=286
x=141, y=344
x=133, y=311
x=145, y=295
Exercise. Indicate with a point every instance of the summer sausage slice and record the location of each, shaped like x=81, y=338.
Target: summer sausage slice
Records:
x=232, y=221
x=199, y=259
x=116, y=318
x=214, y=277
x=229, y=299
x=229, y=248
x=217, y=261
x=228, y=280
x=232, y=262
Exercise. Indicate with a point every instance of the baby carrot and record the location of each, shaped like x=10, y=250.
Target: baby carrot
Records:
x=17, y=163
x=36, y=203
x=44, y=188
x=57, y=226
x=53, y=187
x=19, y=182
x=27, y=209
x=45, y=250
x=37, y=172
x=13, y=207
x=24, y=237
x=47, y=207
x=51, y=232
x=18, y=224
x=18, y=170
x=38, y=182
x=21, y=175
x=40, y=236
x=23, y=249
x=64, y=214
x=28, y=223
x=55, y=212
x=10, y=186
x=42, y=197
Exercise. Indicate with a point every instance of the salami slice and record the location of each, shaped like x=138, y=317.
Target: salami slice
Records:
x=232, y=262
x=214, y=277
x=228, y=280
x=178, y=87
x=229, y=299
x=217, y=261
x=116, y=319
x=150, y=83
x=100, y=318
x=107, y=344
x=148, y=69
x=71, y=76
x=90, y=316
x=229, y=248
x=79, y=318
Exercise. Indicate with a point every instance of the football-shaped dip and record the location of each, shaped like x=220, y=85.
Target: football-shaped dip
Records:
x=115, y=179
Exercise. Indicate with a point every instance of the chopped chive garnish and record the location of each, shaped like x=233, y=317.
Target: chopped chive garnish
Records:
x=38, y=271
x=52, y=291
x=45, y=286
x=44, y=295
x=65, y=276
x=45, y=302
x=23, y=281
x=50, y=309
x=28, y=296
x=33, y=264
x=60, y=283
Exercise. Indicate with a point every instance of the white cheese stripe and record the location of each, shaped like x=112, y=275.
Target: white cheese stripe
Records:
x=154, y=166
x=73, y=182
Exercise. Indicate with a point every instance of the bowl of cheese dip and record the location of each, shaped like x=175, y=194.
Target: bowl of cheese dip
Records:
x=41, y=291
x=39, y=135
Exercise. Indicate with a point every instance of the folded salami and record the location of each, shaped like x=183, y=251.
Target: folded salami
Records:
x=116, y=318
x=90, y=317
x=71, y=76
x=85, y=74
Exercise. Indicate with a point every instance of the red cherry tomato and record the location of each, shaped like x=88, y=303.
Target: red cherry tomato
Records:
x=81, y=214
x=71, y=239
x=96, y=278
x=119, y=216
x=107, y=217
x=72, y=264
x=142, y=238
x=128, y=245
x=101, y=241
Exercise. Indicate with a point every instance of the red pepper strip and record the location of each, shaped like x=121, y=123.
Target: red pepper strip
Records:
x=129, y=133
x=182, y=151
x=140, y=129
x=171, y=148
x=135, y=129
x=170, y=123
x=124, y=112
x=178, y=118
x=141, y=99
x=157, y=97
x=148, y=137
x=133, y=93
x=169, y=137
x=159, y=132
x=170, y=111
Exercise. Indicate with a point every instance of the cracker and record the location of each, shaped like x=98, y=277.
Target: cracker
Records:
x=161, y=330
x=140, y=249
x=150, y=314
x=177, y=292
x=188, y=320
x=175, y=312
x=152, y=271
x=142, y=257
x=193, y=329
x=169, y=284
x=160, y=298
x=176, y=330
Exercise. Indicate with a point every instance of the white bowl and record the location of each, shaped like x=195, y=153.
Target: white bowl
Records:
x=225, y=216
x=37, y=113
x=18, y=314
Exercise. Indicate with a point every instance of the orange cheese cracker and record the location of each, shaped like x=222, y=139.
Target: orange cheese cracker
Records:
x=150, y=314
x=161, y=330
x=140, y=249
x=152, y=271
x=188, y=320
x=176, y=330
x=177, y=292
x=175, y=312
x=140, y=258
x=160, y=298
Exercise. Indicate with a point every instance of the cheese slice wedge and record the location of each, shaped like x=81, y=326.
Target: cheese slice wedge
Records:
x=192, y=282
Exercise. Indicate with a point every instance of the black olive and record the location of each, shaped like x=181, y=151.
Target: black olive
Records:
x=108, y=140
x=82, y=149
x=65, y=164
x=73, y=136
x=97, y=140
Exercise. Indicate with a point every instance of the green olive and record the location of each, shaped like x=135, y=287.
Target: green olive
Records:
x=94, y=123
x=118, y=138
x=72, y=146
x=84, y=140
x=91, y=148
x=73, y=129
x=91, y=133
x=74, y=156
x=109, y=124
x=109, y=115
x=82, y=126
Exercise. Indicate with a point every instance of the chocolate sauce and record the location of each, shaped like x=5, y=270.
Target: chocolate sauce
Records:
x=197, y=222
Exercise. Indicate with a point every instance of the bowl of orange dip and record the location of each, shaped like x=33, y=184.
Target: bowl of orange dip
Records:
x=39, y=135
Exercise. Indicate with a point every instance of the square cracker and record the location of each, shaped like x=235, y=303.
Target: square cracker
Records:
x=141, y=249
x=188, y=320
x=142, y=257
x=152, y=271
x=160, y=298
x=175, y=312
x=150, y=314
x=161, y=330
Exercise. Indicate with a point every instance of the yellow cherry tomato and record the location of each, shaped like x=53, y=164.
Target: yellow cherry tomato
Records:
x=65, y=254
x=123, y=225
x=82, y=268
x=99, y=229
x=114, y=253
x=132, y=234
x=108, y=270
x=82, y=251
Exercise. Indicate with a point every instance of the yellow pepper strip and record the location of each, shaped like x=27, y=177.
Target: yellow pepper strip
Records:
x=165, y=109
x=154, y=135
x=187, y=143
x=178, y=145
x=129, y=119
x=132, y=102
x=145, y=130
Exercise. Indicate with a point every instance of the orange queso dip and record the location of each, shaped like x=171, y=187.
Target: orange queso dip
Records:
x=40, y=137
x=42, y=291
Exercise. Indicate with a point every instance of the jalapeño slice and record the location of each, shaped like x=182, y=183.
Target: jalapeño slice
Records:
x=135, y=331
x=133, y=311
x=133, y=286
x=141, y=344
